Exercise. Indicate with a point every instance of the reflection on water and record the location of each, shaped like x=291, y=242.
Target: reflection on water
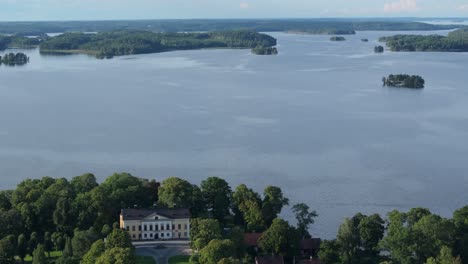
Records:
x=314, y=120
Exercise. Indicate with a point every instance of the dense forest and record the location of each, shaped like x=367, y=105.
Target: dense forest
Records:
x=456, y=41
x=109, y=44
x=404, y=81
x=200, y=25
x=18, y=42
x=68, y=219
x=262, y=50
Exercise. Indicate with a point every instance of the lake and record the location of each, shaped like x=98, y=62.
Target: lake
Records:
x=314, y=120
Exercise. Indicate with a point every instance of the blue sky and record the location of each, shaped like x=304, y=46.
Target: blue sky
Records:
x=14, y=10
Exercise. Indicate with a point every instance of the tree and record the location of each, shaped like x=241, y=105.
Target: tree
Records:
x=96, y=250
x=398, y=240
x=371, y=231
x=273, y=202
x=7, y=249
x=58, y=240
x=348, y=240
x=117, y=255
x=431, y=233
x=217, y=196
x=203, y=231
x=39, y=256
x=33, y=242
x=82, y=241
x=22, y=247
x=175, y=193
x=415, y=214
x=239, y=197
x=119, y=238
x=84, y=183
x=216, y=250
x=48, y=245
x=63, y=215
x=68, y=249
x=329, y=252
x=280, y=239
x=304, y=218
x=460, y=219
x=444, y=257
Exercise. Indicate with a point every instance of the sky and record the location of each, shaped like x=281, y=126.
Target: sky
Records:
x=31, y=10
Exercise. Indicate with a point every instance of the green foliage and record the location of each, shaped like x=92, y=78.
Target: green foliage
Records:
x=7, y=249
x=82, y=241
x=39, y=256
x=304, y=218
x=279, y=239
x=229, y=261
x=404, y=80
x=96, y=250
x=117, y=43
x=145, y=260
x=358, y=239
x=119, y=238
x=217, y=197
x=273, y=203
x=246, y=205
x=176, y=193
x=444, y=257
x=216, y=250
x=117, y=255
x=22, y=247
x=329, y=252
x=68, y=249
x=456, y=41
x=203, y=231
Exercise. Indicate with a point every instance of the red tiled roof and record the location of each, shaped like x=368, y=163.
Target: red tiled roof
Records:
x=269, y=260
x=311, y=243
x=251, y=239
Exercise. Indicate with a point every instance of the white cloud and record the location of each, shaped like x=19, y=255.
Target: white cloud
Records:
x=244, y=5
x=463, y=7
x=401, y=6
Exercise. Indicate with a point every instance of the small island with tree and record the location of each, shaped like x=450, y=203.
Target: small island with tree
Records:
x=262, y=50
x=365, y=40
x=378, y=49
x=13, y=59
x=337, y=38
x=404, y=81
x=455, y=41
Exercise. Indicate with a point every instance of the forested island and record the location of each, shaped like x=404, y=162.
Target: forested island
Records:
x=337, y=38
x=404, y=81
x=456, y=41
x=117, y=43
x=18, y=42
x=378, y=49
x=13, y=59
x=61, y=221
x=364, y=40
x=262, y=50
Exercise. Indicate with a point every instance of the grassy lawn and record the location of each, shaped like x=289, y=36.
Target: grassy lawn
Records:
x=53, y=254
x=145, y=260
x=179, y=260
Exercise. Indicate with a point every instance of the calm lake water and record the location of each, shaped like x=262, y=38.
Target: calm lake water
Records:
x=314, y=120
